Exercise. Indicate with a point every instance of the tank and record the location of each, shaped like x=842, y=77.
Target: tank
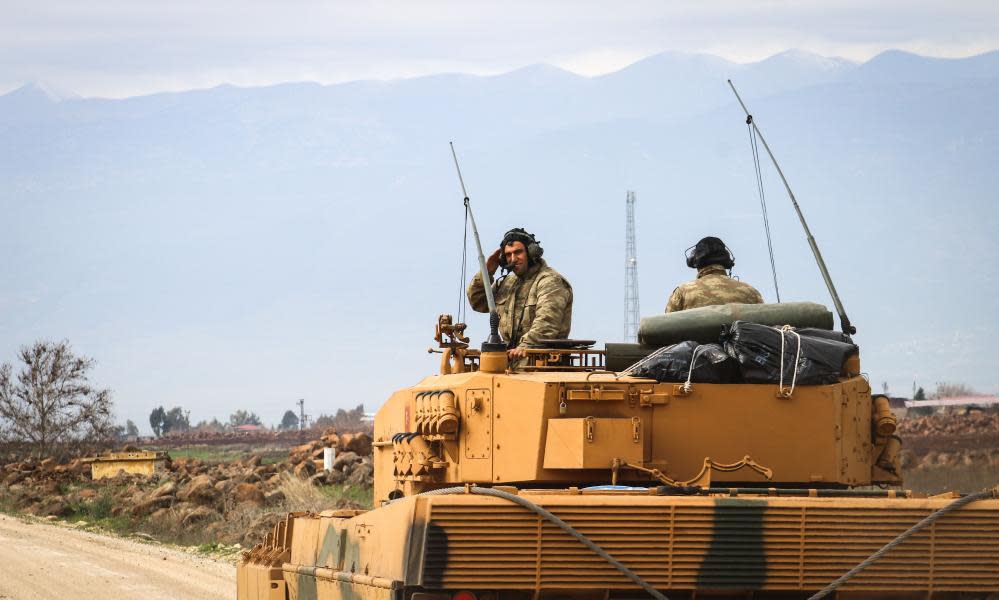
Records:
x=563, y=479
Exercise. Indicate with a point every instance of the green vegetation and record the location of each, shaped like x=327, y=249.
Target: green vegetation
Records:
x=301, y=495
x=217, y=550
x=225, y=454
x=99, y=512
x=364, y=497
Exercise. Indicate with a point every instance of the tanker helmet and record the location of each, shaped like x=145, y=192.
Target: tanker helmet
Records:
x=710, y=251
x=519, y=234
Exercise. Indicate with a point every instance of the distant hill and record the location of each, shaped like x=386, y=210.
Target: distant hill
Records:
x=236, y=247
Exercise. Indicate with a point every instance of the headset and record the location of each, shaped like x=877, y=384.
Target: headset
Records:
x=709, y=251
x=519, y=234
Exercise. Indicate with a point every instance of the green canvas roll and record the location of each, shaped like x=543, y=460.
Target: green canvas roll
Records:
x=704, y=324
x=620, y=356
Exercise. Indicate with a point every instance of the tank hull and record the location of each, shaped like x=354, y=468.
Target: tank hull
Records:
x=720, y=545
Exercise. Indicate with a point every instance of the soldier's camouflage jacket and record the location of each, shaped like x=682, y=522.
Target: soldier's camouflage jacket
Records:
x=533, y=307
x=713, y=286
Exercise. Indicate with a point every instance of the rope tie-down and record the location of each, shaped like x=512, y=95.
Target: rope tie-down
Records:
x=782, y=391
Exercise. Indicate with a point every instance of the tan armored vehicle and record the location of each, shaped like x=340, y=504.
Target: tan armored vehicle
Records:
x=723, y=489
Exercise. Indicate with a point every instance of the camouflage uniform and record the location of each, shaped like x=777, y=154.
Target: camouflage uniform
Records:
x=713, y=286
x=535, y=307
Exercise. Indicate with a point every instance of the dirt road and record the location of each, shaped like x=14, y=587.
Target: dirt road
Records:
x=47, y=561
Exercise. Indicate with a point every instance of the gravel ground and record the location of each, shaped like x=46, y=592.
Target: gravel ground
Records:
x=42, y=560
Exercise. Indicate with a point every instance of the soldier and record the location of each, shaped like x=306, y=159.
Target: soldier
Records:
x=714, y=284
x=534, y=302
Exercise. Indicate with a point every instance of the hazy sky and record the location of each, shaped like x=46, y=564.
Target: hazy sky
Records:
x=293, y=329
x=125, y=48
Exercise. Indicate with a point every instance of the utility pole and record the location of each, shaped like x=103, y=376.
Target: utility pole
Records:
x=301, y=414
x=630, y=273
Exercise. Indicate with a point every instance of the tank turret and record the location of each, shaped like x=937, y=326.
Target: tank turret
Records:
x=564, y=420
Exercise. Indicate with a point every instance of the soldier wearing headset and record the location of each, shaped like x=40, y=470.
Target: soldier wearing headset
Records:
x=534, y=302
x=714, y=284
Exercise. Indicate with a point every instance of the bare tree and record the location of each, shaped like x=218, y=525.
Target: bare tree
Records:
x=344, y=420
x=953, y=390
x=50, y=400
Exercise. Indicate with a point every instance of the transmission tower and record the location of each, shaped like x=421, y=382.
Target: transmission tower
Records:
x=302, y=417
x=630, y=273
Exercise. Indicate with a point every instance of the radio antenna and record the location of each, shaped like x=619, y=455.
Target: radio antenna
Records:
x=844, y=321
x=495, y=342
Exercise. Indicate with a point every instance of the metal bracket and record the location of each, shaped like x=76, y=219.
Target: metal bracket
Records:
x=649, y=397
x=703, y=478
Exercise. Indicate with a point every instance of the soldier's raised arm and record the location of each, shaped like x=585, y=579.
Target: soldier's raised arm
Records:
x=476, y=293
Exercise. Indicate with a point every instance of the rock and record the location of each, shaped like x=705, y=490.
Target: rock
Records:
x=200, y=490
x=247, y=492
x=361, y=444
x=213, y=530
x=345, y=459
x=305, y=470
x=160, y=514
x=28, y=503
x=86, y=493
x=362, y=474
x=167, y=489
x=264, y=470
x=302, y=450
x=225, y=486
x=274, y=498
x=199, y=516
x=151, y=505
x=55, y=506
x=14, y=477
x=49, y=488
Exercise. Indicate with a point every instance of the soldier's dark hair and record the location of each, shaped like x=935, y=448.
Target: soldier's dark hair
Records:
x=710, y=251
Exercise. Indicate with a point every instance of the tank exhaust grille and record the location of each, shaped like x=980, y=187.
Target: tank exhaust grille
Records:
x=719, y=543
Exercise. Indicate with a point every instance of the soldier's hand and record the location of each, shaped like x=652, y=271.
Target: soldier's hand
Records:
x=515, y=353
x=492, y=263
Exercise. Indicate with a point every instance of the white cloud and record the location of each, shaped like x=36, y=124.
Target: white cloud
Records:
x=126, y=48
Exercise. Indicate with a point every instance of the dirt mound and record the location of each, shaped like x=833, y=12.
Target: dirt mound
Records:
x=233, y=502
x=974, y=423
x=358, y=443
